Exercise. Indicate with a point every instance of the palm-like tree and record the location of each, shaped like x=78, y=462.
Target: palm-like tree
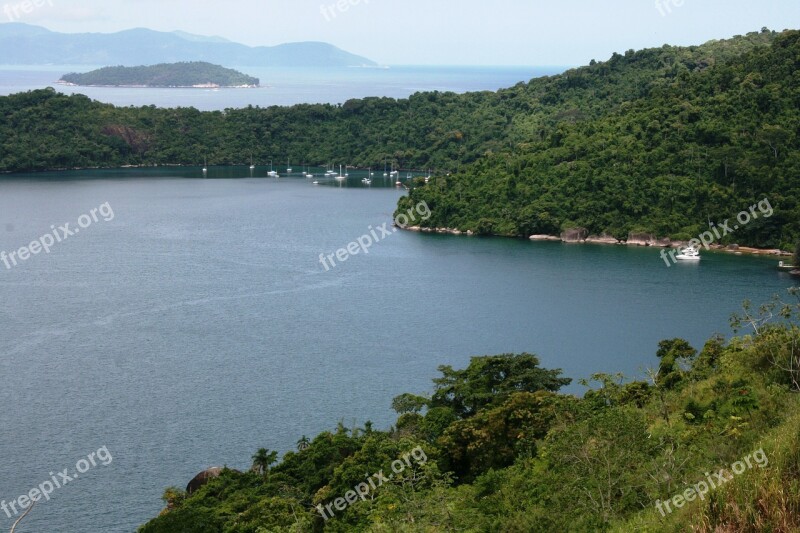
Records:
x=303, y=443
x=262, y=460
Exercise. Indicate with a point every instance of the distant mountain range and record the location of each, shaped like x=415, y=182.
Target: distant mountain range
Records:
x=23, y=44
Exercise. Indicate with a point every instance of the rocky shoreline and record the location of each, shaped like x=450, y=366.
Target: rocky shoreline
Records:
x=582, y=236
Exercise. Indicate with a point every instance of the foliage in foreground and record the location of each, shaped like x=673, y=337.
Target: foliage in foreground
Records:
x=508, y=453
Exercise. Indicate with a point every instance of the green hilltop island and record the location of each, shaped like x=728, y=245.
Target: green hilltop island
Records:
x=196, y=74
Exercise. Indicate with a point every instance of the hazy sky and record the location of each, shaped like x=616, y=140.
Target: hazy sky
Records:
x=417, y=32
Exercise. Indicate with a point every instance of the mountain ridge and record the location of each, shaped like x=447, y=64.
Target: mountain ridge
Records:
x=26, y=44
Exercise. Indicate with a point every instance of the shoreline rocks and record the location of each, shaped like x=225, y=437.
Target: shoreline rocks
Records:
x=575, y=235
x=641, y=239
x=602, y=239
x=545, y=238
x=581, y=236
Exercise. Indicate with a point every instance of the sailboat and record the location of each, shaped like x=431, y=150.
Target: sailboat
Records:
x=340, y=177
x=205, y=165
x=309, y=175
x=271, y=173
x=252, y=166
x=367, y=180
x=288, y=167
x=385, y=174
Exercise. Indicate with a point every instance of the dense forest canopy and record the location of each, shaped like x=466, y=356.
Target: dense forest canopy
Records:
x=503, y=451
x=661, y=140
x=186, y=74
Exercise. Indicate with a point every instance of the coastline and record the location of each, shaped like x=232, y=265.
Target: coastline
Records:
x=642, y=240
x=199, y=86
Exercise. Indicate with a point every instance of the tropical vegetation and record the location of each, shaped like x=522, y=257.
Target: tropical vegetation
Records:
x=507, y=452
x=662, y=141
x=185, y=74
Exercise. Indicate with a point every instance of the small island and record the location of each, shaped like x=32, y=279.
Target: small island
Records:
x=196, y=74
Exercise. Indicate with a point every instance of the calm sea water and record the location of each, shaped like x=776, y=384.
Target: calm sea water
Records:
x=198, y=325
x=286, y=86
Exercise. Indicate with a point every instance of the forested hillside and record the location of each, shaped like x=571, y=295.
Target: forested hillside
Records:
x=661, y=141
x=495, y=448
x=184, y=74
x=700, y=144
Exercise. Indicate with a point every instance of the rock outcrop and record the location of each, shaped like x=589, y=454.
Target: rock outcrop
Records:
x=642, y=239
x=203, y=478
x=574, y=235
x=602, y=239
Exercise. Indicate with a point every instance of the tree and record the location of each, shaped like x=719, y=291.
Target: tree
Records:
x=303, y=443
x=409, y=403
x=496, y=437
x=263, y=460
x=173, y=497
x=672, y=353
x=491, y=380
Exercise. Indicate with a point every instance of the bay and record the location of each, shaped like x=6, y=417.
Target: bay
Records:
x=198, y=324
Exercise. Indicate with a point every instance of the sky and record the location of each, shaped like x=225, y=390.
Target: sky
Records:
x=431, y=32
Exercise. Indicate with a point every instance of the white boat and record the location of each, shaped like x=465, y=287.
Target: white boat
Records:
x=288, y=167
x=272, y=173
x=689, y=254
x=205, y=166
x=316, y=182
x=252, y=166
x=340, y=177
